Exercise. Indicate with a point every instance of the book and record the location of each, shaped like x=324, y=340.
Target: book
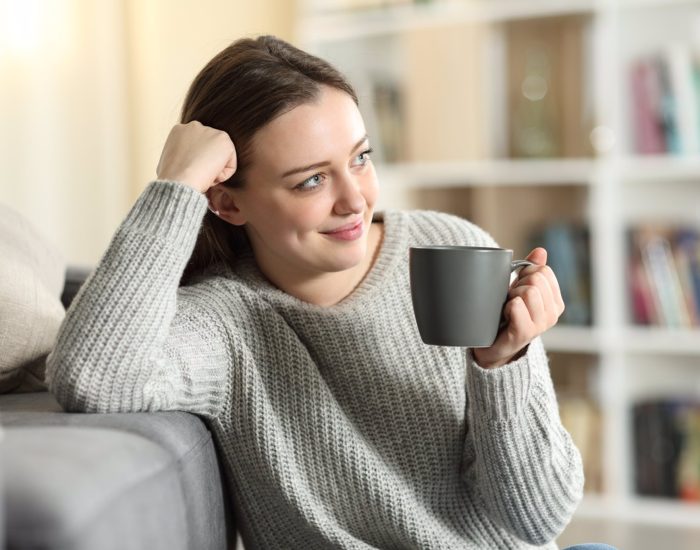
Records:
x=688, y=470
x=668, y=108
x=680, y=66
x=656, y=448
x=687, y=244
x=663, y=275
x=646, y=107
x=568, y=254
x=666, y=448
x=685, y=276
x=657, y=258
x=643, y=308
x=445, y=100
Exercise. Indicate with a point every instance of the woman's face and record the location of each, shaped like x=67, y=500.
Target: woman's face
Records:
x=310, y=189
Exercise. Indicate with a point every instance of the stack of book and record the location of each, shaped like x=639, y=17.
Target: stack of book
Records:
x=664, y=276
x=667, y=448
x=665, y=90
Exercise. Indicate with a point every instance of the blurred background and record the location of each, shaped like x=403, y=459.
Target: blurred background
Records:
x=569, y=124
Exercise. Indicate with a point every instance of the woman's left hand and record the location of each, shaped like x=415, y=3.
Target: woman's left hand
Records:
x=533, y=306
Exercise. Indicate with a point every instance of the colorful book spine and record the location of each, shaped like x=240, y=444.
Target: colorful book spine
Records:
x=658, y=260
x=665, y=101
x=646, y=102
x=664, y=276
x=679, y=61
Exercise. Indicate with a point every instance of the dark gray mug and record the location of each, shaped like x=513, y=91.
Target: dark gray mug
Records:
x=459, y=291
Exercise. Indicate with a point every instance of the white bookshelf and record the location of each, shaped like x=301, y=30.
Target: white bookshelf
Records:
x=621, y=187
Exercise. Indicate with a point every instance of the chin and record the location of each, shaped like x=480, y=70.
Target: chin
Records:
x=349, y=259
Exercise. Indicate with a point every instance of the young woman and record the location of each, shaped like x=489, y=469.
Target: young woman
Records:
x=254, y=284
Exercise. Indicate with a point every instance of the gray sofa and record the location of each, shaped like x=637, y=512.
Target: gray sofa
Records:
x=108, y=481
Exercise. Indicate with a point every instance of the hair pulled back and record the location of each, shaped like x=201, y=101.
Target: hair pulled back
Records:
x=239, y=91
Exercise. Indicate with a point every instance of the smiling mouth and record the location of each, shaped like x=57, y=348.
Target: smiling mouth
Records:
x=349, y=232
x=347, y=227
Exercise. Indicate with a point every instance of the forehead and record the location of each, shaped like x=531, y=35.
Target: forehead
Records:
x=311, y=132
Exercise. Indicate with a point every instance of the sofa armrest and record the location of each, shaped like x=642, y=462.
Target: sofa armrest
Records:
x=75, y=277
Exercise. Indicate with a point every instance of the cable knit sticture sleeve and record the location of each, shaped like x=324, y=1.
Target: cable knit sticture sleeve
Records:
x=132, y=340
x=525, y=466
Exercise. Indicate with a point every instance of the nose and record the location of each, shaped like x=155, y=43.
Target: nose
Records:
x=349, y=197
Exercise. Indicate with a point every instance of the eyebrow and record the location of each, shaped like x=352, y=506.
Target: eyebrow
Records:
x=320, y=164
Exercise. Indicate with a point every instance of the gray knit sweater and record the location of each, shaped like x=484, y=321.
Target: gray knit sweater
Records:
x=338, y=427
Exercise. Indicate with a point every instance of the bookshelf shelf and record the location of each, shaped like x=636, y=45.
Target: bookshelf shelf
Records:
x=655, y=168
x=489, y=173
x=645, y=4
x=334, y=26
x=662, y=341
x=573, y=339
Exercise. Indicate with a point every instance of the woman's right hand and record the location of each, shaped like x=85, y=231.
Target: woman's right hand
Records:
x=198, y=156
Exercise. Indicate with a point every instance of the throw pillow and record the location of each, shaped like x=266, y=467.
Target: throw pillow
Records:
x=32, y=273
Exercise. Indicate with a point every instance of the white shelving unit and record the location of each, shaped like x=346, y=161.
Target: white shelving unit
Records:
x=621, y=188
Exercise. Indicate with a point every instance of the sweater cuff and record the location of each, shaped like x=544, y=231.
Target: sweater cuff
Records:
x=168, y=210
x=500, y=394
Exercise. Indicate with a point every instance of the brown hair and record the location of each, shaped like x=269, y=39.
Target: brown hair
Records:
x=239, y=91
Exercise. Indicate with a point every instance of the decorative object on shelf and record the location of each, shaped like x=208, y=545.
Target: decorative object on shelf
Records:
x=389, y=112
x=546, y=83
x=581, y=418
x=574, y=375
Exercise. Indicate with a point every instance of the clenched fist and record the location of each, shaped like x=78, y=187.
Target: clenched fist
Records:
x=197, y=156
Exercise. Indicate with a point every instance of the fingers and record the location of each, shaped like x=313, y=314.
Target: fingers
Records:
x=538, y=281
x=541, y=301
x=534, y=305
x=225, y=174
x=544, y=279
x=538, y=256
x=532, y=297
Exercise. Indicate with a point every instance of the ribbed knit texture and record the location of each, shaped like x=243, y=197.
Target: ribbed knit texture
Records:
x=337, y=426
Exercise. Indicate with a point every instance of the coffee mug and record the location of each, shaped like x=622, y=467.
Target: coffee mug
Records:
x=459, y=292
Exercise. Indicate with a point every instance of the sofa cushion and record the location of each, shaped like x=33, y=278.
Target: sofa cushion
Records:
x=108, y=481
x=31, y=280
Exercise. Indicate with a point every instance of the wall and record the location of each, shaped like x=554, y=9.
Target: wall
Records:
x=88, y=93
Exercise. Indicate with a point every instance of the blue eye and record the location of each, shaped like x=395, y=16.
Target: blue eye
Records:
x=364, y=156
x=310, y=183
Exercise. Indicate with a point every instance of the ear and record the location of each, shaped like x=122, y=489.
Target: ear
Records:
x=223, y=204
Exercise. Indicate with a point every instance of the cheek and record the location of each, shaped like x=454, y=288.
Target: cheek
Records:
x=307, y=215
x=370, y=187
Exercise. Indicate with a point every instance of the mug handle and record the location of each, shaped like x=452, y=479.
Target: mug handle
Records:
x=517, y=264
